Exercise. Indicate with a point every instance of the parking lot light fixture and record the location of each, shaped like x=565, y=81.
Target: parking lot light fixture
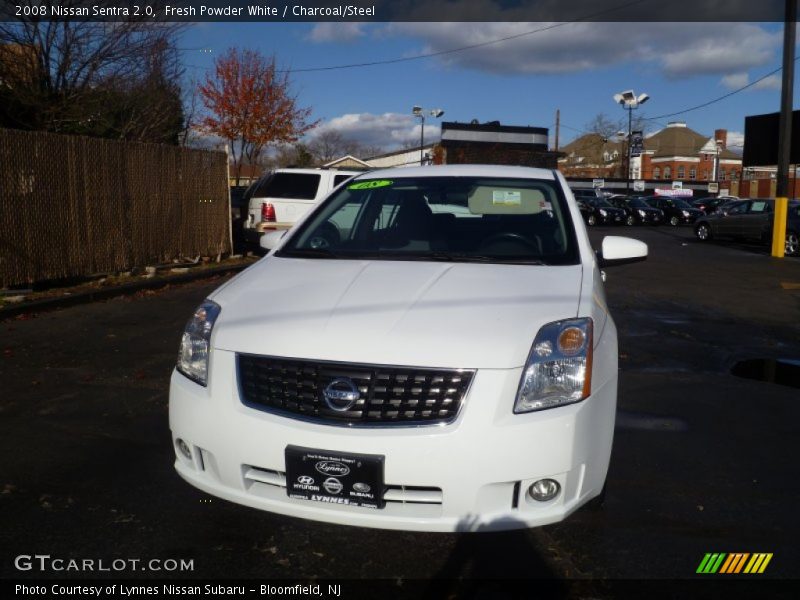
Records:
x=419, y=112
x=630, y=101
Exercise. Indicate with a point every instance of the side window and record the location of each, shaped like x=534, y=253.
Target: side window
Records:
x=740, y=209
x=758, y=207
x=302, y=186
x=337, y=179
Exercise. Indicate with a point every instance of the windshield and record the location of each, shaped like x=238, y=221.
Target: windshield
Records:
x=602, y=203
x=470, y=219
x=639, y=203
x=681, y=203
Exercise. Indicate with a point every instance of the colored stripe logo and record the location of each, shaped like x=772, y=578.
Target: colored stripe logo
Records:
x=733, y=563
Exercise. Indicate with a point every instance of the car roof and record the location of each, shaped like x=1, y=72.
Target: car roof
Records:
x=314, y=171
x=462, y=171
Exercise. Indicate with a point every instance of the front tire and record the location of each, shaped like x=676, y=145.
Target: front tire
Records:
x=703, y=232
x=792, y=247
x=630, y=220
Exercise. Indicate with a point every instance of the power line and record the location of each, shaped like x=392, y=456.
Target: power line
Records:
x=720, y=98
x=469, y=47
x=455, y=50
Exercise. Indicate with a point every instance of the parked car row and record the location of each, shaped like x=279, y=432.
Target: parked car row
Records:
x=635, y=210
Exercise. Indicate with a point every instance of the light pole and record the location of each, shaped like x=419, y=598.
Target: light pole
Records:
x=716, y=163
x=630, y=101
x=418, y=111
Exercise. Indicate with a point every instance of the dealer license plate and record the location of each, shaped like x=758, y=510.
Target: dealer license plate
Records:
x=333, y=477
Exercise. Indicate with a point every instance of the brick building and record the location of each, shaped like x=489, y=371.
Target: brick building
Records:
x=494, y=144
x=593, y=155
x=676, y=153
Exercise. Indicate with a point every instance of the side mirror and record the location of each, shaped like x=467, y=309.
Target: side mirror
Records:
x=271, y=238
x=617, y=250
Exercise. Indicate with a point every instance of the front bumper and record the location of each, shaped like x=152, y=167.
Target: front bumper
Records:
x=612, y=218
x=650, y=218
x=467, y=475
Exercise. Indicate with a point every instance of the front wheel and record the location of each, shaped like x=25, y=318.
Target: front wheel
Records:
x=591, y=220
x=792, y=247
x=630, y=220
x=674, y=221
x=703, y=232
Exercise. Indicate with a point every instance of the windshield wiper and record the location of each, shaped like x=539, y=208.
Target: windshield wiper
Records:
x=308, y=253
x=482, y=258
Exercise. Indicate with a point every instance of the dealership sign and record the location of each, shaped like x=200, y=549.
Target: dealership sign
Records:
x=674, y=193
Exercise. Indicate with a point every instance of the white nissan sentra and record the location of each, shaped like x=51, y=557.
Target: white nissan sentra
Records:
x=428, y=349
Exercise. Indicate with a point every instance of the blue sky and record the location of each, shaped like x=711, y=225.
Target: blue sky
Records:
x=575, y=67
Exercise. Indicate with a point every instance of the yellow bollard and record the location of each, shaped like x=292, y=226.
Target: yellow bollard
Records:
x=779, y=227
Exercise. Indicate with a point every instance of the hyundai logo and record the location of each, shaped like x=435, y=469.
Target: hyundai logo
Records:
x=305, y=480
x=332, y=467
x=341, y=394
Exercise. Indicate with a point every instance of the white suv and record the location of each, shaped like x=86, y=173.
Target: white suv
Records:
x=282, y=196
x=428, y=349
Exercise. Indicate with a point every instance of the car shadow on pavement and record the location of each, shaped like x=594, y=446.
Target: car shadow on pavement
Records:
x=485, y=563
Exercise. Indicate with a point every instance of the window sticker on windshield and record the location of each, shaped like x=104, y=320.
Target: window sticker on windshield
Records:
x=506, y=198
x=368, y=185
x=544, y=205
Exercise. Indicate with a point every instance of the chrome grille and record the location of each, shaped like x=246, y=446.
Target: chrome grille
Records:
x=387, y=395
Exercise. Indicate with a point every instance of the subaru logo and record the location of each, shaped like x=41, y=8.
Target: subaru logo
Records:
x=341, y=394
x=361, y=487
x=332, y=485
x=305, y=480
x=332, y=467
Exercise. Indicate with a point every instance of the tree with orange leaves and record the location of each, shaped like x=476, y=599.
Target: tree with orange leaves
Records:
x=251, y=105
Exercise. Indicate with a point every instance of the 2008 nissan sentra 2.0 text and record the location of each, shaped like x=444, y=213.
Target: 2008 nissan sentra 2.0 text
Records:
x=428, y=349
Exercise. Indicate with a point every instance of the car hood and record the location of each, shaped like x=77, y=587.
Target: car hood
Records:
x=450, y=315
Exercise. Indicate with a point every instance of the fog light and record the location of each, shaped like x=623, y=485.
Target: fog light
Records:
x=544, y=490
x=184, y=449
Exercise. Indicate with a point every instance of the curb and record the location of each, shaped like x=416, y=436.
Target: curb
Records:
x=46, y=304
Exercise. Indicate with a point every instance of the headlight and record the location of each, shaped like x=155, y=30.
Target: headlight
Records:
x=559, y=367
x=193, y=355
x=641, y=212
x=603, y=212
x=685, y=213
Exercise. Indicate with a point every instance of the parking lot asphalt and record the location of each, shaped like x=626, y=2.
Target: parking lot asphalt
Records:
x=703, y=461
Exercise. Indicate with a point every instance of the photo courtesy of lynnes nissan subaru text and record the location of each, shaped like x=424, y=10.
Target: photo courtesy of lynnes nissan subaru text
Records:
x=426, y=347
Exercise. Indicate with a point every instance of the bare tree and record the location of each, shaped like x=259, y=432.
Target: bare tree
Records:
x=110, y=79
x=330, y=144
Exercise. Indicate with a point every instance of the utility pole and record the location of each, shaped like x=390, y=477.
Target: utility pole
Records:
x=784, y=131
x=558, y=124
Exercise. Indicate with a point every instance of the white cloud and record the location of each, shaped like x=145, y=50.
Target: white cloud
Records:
x=773, y=82
x=335, y=32
x=387, y=130
x=735, y=80
x=677, y=49
x=736, y=141
x=739, y=80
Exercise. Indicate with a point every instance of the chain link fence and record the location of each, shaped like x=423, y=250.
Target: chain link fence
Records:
x=74, y=206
